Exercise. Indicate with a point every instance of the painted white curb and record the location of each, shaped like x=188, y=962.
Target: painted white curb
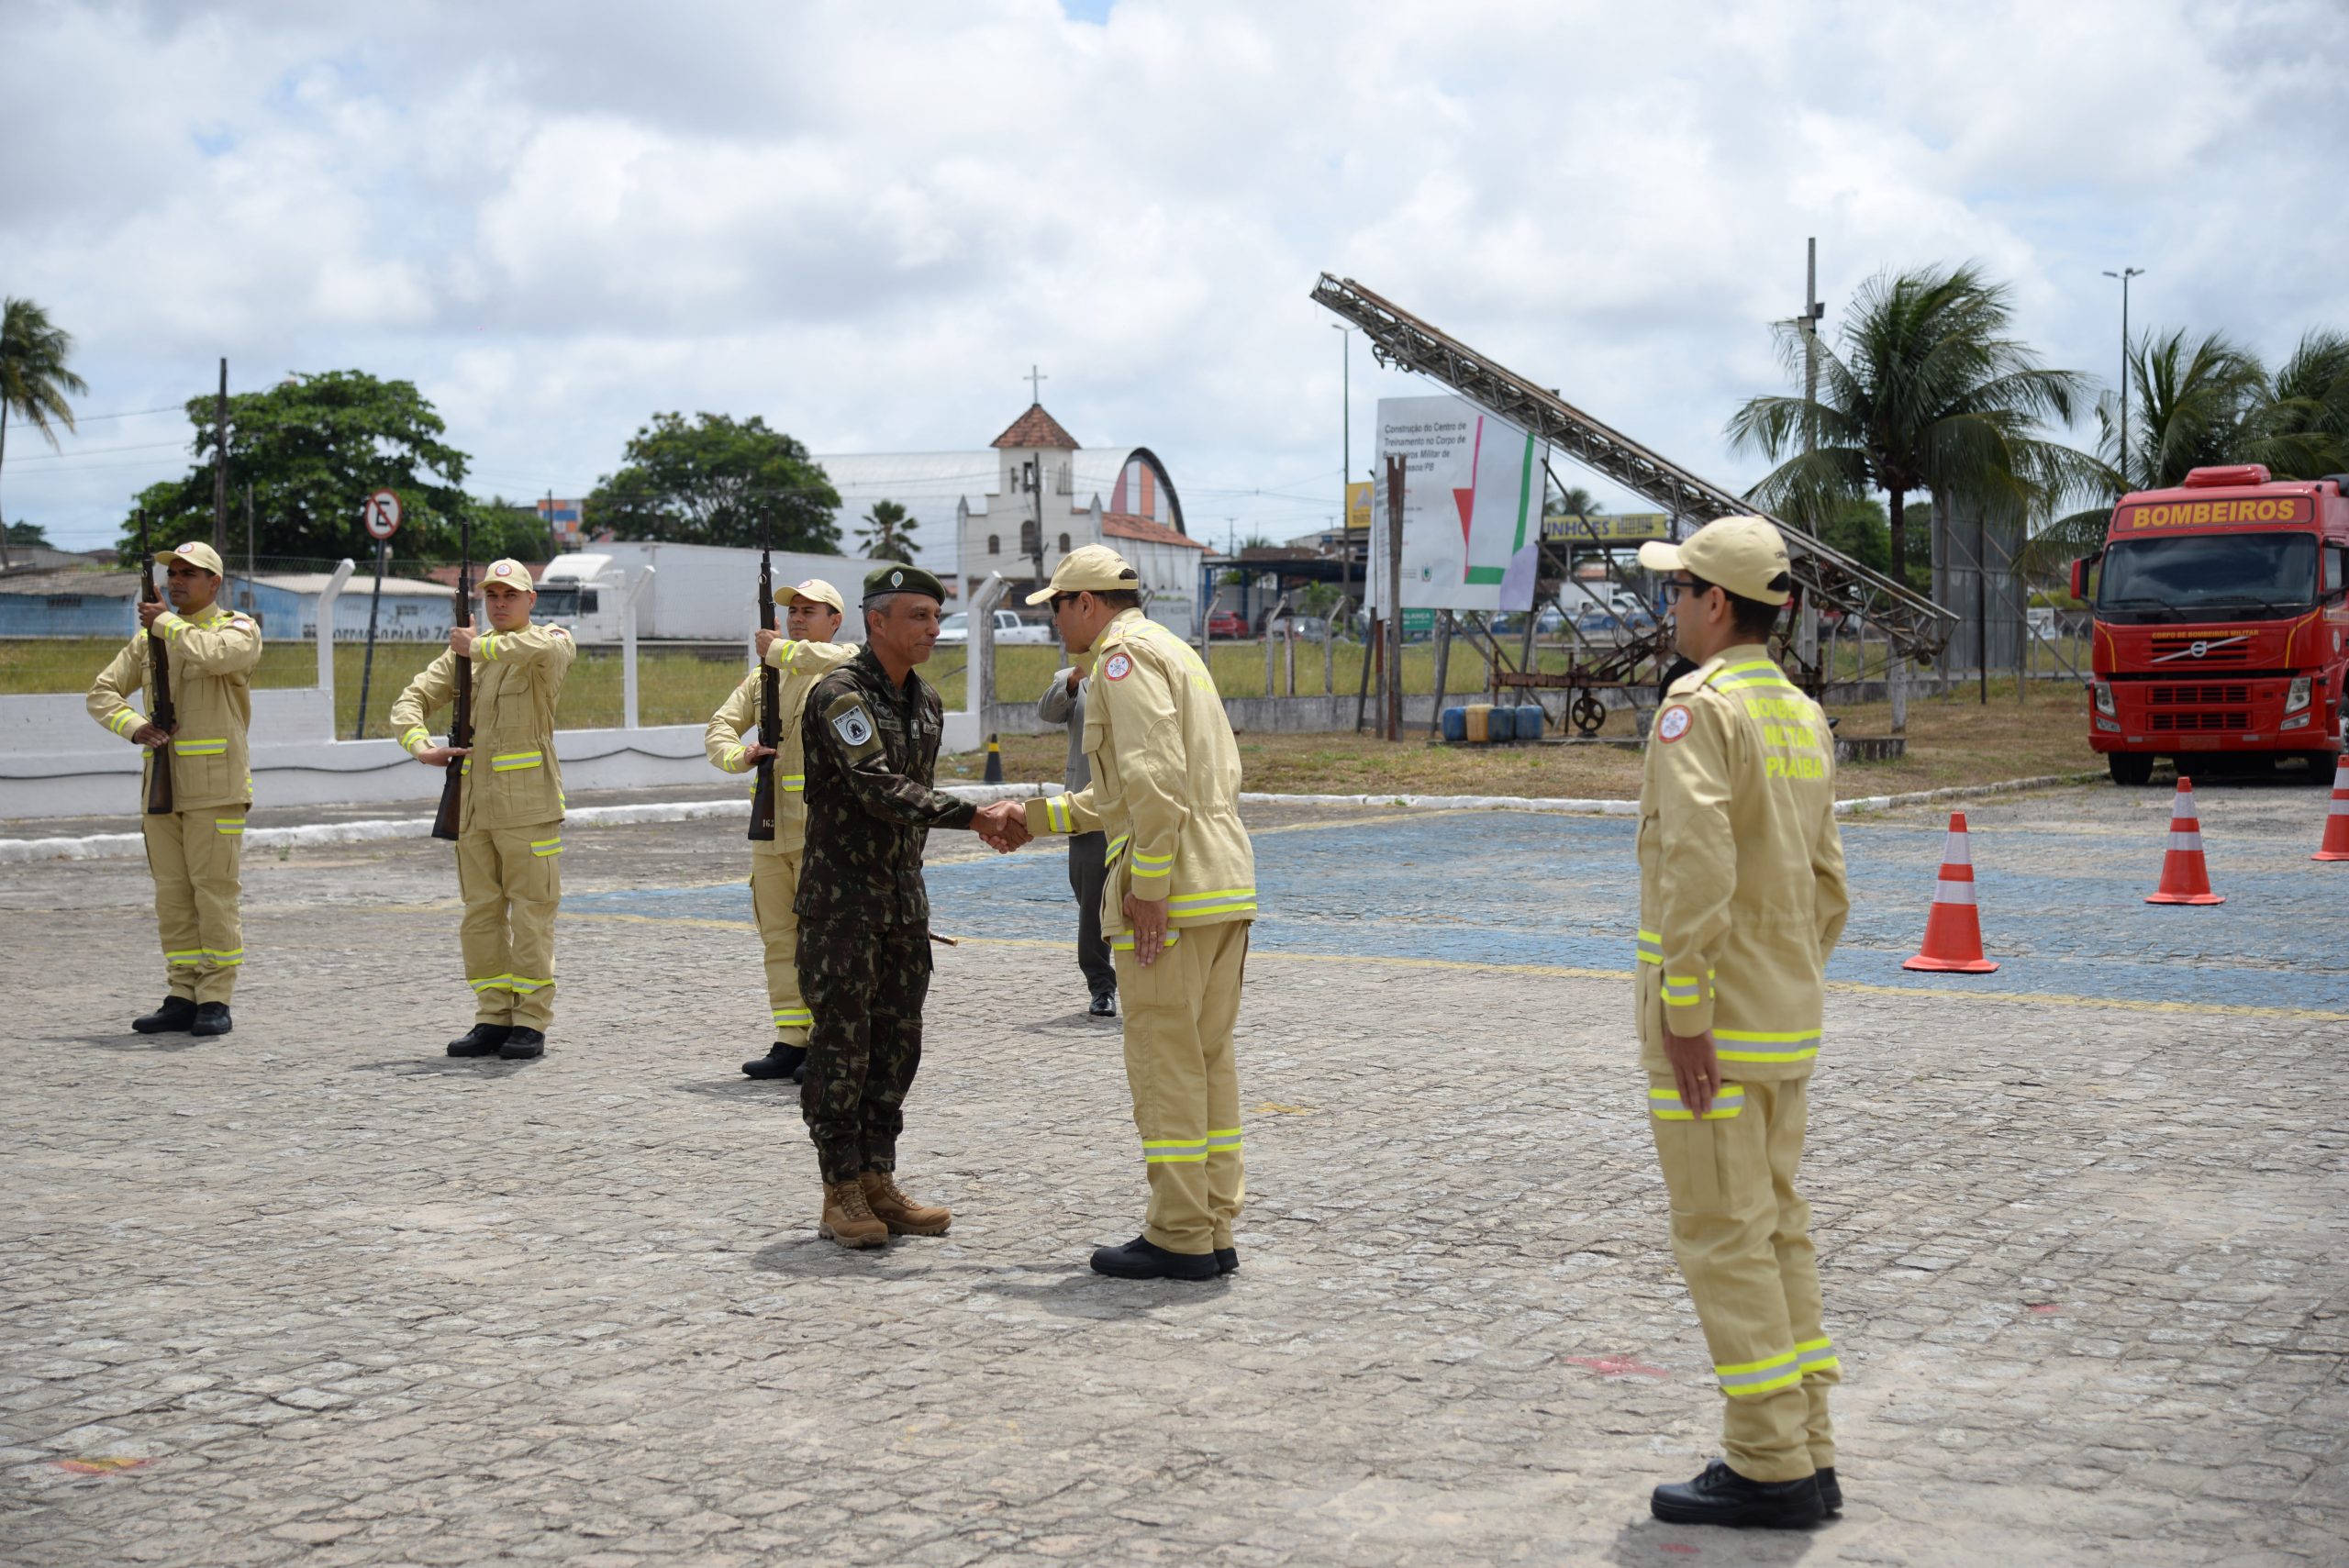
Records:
x=103, y=846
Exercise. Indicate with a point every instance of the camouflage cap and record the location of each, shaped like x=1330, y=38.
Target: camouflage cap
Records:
x=893, y=579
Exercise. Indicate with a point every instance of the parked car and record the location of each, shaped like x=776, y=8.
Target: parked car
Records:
x=1606, y=626
x=1305, y=629
x=1227, y=624
x=954, y=631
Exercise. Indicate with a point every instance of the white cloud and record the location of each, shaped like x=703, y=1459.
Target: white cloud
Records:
x=866, y=222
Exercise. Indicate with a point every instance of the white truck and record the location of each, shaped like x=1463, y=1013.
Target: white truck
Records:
x=699, y=592
x=955, y=630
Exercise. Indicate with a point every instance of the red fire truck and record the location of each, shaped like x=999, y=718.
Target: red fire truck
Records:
x=2219, y=621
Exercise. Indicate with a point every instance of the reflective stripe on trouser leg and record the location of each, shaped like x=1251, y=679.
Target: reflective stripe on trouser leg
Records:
x=214, y=864
x=175, y=917
x=1740, y=1232
x=1179, y=1016
x=1798, y=1264
x=774, y=887
x=865, y=984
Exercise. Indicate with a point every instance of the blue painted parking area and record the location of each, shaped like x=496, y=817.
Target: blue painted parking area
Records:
x=2062, y=904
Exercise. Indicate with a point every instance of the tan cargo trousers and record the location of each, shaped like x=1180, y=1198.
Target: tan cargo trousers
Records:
x=511, y=884
x=1180, y=1014
x=1743, y=1236
x=774, y=888
x=195, y=858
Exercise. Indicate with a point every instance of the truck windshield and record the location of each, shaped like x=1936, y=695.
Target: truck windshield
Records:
x=2208, y=576
x=563, y=603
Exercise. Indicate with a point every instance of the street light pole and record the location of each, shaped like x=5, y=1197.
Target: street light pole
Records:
x=2124, y=275
x=1346, y=461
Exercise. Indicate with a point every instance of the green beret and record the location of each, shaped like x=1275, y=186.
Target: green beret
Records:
x=902, y=580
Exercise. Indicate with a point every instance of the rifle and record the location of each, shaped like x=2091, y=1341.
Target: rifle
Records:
x=451, y=816
x=159, y=687
x=770, y=700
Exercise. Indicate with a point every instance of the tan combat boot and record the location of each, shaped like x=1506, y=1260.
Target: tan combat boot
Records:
x=847, y=1220
x=901, y=1213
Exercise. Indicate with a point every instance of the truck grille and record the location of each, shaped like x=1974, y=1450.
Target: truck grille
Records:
x=2234, y=653
x=2174, y=723
x=2173, y=696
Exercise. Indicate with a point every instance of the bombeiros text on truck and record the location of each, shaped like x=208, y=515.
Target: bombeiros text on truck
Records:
x=2220, y=615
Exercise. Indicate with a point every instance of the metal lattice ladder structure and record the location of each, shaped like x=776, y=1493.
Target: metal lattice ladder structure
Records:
x=1913, y=626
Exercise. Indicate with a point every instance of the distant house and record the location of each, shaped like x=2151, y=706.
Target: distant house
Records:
x=48, y=601
x=287, y=603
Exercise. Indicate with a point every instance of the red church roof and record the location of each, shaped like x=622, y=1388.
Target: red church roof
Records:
x=1036, y=429
x=1115, y=524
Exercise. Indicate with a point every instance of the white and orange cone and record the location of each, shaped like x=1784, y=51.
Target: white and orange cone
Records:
x=1954, y=926
x=2186, y=879
x=2336, y=823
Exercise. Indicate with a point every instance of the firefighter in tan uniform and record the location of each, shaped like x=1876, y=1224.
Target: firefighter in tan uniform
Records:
x=803, y=653
x=192, y=852
x=1177, y=904
x=511, y=831
x=1742, y=897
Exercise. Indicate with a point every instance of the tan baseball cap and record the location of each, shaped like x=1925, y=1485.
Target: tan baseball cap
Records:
x=194, y=554
x=815, y=591
x=1094, y=567
x=1745, y=555
x=510, y=572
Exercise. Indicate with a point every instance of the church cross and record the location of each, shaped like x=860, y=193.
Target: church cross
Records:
x=1035, y=379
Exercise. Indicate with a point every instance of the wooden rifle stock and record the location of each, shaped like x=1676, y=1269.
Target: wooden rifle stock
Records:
x=159, y=689
x=452, y=815
x=770, y=704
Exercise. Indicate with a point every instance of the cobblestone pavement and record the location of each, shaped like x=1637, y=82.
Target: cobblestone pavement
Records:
x=315, y=1293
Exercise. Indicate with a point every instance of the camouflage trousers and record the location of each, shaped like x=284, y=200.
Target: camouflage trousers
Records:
x=865, y=983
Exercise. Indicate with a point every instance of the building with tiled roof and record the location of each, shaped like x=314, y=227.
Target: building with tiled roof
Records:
x=1051, y=496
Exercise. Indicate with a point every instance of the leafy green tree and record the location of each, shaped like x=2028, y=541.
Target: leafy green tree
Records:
x=27, y=533
x=886, y=533
x=1925, y=390
x=313, y=448
x=34, y=380
x=715, y=481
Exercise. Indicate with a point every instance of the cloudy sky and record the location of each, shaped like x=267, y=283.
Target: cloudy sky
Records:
x=866, y=220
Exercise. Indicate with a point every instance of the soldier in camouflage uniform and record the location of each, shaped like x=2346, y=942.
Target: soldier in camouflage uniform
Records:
x=871, y=732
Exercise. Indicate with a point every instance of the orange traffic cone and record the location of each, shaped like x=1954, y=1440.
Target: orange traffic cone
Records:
x=2336, y=824
x=2185, y=878
x=1953, y=928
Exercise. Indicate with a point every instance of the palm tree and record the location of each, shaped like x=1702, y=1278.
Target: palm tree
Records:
x=2207, y=402
x=1925, y=390
x=33, y=377
x=885, y=533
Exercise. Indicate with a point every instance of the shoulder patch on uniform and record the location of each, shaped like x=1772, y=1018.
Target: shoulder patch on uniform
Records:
x=558, y=631
x=852, y=724
x=1118, y=666
x=1674, y=722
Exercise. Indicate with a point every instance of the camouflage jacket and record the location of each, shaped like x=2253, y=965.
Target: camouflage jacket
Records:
x=872, y=750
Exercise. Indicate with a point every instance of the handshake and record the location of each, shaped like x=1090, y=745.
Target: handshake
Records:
x=1004, y=826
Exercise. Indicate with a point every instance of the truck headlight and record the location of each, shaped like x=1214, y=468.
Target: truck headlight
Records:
x=2296, y=696
x=2103, y=691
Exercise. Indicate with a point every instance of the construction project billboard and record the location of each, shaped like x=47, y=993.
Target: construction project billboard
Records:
x=1472, y=506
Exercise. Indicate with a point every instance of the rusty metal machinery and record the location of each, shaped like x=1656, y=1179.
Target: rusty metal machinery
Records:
x=1913, y=626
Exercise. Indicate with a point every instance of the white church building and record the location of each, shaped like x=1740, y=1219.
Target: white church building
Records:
x=1035, y=491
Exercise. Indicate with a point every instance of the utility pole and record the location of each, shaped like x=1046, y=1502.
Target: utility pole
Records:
x=249, y=545
x=220, y=465
x=1393, y=723
x=2124, y=275
x=1033, y=469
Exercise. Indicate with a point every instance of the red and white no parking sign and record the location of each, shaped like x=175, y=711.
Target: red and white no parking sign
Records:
x=382, y=515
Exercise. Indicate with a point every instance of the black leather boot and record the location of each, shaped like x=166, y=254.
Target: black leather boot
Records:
x=1722, y=1497
x=1226, y=1259
x=482, y=1039
x=1830, y=1491
x=780, y=1061
x=523, y=1045
x=176, y=1016
x=1142, y=1259
x=212, y=1017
